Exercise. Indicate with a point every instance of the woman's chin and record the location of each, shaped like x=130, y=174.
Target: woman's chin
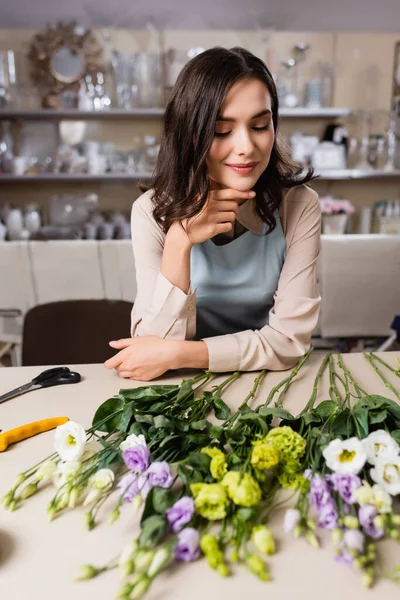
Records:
x=240, y=183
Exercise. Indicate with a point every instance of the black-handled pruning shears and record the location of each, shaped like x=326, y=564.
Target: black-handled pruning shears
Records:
x=50, y=377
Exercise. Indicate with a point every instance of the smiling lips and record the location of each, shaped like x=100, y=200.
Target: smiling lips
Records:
x=243, y=168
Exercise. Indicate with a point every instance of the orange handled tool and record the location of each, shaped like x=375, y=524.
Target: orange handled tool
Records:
x=26, y=431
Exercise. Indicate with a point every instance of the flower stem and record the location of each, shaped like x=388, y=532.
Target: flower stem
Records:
x=313, y=397
x=253, y=390
x=360, y=391
x=381, y=375
x=333, y=390
x=293, y=374
x=218, y=389
x=385, y=364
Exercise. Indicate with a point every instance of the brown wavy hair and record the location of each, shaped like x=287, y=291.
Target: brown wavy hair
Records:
x=180, y=182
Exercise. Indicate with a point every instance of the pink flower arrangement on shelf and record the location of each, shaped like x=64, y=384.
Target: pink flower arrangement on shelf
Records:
x=334, y=206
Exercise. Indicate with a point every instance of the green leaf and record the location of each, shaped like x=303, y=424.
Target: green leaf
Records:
x=255, y=419
x=110, y=406
x=141, y=394
x=216, y=431
x=382, y=402
x=326, y=408
x=167, y=439
x=185, y=392
x=163, y=499
x=126, y=417
x=110, y=459
x=199, y=425
x=198, y=438
x=396, y=435
x=377, y=416
x=156, y=408
x=137, y=429
x=144, y=418
x=245, y=514
x=182, y=425
x=154, y=528
x=311, y=417
x=199, y=461
x=342, y=424
x=360, y=417
x=275, y=411
x=221, y=409
x=161, y=421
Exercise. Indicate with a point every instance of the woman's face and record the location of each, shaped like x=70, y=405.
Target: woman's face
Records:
x=244, y=136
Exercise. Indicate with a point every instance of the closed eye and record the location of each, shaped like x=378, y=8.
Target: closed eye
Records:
x=226, y=133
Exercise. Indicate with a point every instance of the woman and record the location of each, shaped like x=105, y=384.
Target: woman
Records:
x=227, y=239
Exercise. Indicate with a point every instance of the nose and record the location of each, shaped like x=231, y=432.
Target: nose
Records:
x=243, y=143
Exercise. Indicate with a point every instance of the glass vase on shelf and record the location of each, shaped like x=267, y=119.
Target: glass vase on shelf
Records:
x=334, y=224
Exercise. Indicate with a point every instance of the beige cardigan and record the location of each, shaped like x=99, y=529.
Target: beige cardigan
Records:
x=163, y=310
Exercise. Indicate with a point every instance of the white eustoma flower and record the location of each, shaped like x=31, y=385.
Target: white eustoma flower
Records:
x=387, y=474
x=354, y=539
x=380, y=444
x=46, y=471
x=381, y=499
x=128, y=553
x=291, y=519
x=103, y=479
x=132, y=440
x=91, y=448
x=345, y=456
x=69, y=440
x=159, y=561
x=66, y=471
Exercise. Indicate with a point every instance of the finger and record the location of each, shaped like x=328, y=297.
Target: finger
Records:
x=126, y=374
x=230, y=194
x=224, y=217
x=226, y=205
x=123, y=343
x=223, y=228
x=114, y=361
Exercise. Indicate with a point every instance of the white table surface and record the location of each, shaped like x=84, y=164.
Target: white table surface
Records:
x=39, y=559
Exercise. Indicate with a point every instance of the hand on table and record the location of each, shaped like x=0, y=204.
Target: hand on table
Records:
x=143, y=358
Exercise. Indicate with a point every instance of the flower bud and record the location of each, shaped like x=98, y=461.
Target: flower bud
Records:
x=51, y=512
x=396, y=519
x=311, y=524
x=351, y=522
x=19, y=481
x=115, y=515
x=234, y=558
x=143, y=559
x=312, y=539
x=13, y=504
x=298, y=531
x=137, y=503
x=87, y=572
x=89, y=521
x=129, y=567
x=7, y=499
x=379, y=522
x=28, y=491
x=125, y=591
x=257, y=566
x=394, y=534
x=336, y=536
x=222, y=569
x=160, y=560
x=140, y=589
x=263, y=539
x=367, y=579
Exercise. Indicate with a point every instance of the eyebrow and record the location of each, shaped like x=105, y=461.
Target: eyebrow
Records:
x=262, y=113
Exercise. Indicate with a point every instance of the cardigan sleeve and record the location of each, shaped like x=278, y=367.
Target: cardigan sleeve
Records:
x=161, y=308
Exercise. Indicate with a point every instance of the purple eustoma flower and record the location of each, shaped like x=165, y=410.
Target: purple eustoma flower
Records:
x=346, y=484
x=180, y=513
x=159, y=474
x=366, y=515
x=129, y=486
x=188, y=545
x=344, y=558
x=328, y=516
x=137, y=458
x=319, y=495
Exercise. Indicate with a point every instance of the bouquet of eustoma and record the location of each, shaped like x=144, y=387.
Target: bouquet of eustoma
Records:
x=207, y=489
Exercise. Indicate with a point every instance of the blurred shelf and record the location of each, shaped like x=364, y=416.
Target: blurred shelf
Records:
x=348, y=174
x=49, y=114
x=81, y=178
x=301, y=112
x=143, y=113
x=333, y=175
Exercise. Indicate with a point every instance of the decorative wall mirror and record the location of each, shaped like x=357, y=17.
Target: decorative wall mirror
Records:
x=61, y=56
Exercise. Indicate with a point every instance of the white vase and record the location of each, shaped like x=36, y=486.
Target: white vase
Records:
x=334, y=224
